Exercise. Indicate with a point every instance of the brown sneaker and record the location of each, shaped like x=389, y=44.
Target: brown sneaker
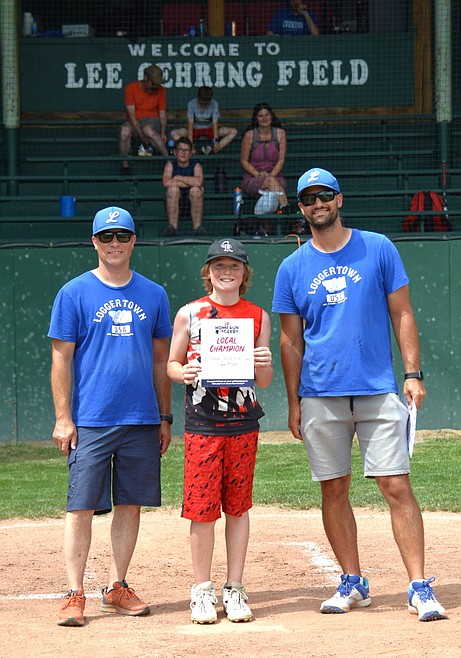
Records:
x=123, y=600
x=71, y=613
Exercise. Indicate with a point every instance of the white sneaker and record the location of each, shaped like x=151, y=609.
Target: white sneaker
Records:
x=234, y=600
x=202, y=603
x=206, y=150
x=353, y=591
x=422, y=601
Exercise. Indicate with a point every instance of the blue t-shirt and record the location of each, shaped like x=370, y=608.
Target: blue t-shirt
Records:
x=342, y=298
x=285, y=23
x=112, y=329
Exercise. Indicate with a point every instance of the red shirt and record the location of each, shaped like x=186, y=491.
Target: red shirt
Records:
x=146, y=105
x=220, y=411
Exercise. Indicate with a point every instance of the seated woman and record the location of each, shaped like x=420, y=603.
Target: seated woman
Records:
x=262, y=156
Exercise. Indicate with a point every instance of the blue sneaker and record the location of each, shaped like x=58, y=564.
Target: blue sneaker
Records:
x=353, y=591
x=423, y=602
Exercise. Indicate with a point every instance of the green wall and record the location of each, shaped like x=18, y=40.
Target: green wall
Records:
x=30, y=278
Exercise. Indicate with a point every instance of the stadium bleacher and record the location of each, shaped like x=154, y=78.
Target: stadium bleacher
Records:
x=380, y=163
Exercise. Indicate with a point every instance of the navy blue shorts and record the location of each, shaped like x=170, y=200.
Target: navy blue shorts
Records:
x=119, y=465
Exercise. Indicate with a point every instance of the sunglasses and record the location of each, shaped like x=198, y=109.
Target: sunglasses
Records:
x=309, y=198
x=107, y=236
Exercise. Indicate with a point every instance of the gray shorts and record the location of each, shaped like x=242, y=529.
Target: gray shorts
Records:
x=148, y=121
x=328, y=425
x=119, y=464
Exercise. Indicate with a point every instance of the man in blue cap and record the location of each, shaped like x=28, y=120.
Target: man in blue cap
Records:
x=110, y=330
x=335, y=296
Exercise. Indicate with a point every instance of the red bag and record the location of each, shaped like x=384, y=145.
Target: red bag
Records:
x=432, y=223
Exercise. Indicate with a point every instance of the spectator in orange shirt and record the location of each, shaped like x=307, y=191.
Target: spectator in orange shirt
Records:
x=145, y=104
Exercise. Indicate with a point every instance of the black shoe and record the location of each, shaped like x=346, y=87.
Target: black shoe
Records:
x=125, y=170
x=199, y=231
x=171, y=231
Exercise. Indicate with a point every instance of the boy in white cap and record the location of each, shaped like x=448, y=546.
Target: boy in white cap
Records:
x=221, y=430
x=110, y=330
x=335, y=296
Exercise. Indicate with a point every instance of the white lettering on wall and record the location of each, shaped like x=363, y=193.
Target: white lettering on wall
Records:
x=94, y=76
x=114, y=80
x=137, y=49
x=337, y=79
x=221, y=74
x=72, y=83
x=359, y=70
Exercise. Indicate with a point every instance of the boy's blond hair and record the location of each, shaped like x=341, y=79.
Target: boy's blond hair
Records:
x=246, y=281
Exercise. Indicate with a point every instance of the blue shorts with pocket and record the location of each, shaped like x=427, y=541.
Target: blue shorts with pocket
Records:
x=114, y=465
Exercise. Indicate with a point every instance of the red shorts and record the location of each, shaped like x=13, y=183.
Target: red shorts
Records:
x=218, y=472
x=201, y=132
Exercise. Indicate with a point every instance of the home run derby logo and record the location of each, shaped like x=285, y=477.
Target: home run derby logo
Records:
x=113, y=217
x=226, y=247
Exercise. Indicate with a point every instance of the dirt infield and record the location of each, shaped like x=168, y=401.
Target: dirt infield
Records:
x=289, y=571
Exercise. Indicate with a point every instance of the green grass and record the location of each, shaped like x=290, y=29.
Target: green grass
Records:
x=33, y=478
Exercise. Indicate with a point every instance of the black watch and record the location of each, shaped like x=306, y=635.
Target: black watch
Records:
x=415, y=375
x=167, y=417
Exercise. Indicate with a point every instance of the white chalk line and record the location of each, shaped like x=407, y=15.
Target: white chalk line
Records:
x=319, y=559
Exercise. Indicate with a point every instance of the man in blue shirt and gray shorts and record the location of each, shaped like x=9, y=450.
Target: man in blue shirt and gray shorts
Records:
x=335, y=296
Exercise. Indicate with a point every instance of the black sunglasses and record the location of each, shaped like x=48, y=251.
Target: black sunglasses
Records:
x=106, y=237
x=309, y=198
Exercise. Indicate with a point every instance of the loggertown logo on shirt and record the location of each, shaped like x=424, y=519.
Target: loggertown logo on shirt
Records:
x=121, y=323
x=121, y=313
x=333, y=281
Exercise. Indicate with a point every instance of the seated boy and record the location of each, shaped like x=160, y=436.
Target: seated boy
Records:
x=183, y=180
x=203, y=121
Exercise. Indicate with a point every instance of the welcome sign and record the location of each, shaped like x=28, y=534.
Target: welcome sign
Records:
x=326, y=71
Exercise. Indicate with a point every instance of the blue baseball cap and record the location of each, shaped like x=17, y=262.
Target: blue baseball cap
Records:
x=317, y=176
x=113, y=217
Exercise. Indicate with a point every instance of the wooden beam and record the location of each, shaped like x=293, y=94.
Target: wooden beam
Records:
x=216, y=18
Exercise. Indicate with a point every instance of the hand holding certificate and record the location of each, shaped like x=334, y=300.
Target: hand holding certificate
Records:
x=411, y=426
x=227, y=347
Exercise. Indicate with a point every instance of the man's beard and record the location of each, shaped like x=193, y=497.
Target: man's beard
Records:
x=323, y=224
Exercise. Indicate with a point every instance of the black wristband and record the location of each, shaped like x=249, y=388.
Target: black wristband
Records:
x=415, y=375
x=167, y=417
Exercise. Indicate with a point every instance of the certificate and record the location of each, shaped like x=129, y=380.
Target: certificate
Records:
x=411, y=425
x=227, y=347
